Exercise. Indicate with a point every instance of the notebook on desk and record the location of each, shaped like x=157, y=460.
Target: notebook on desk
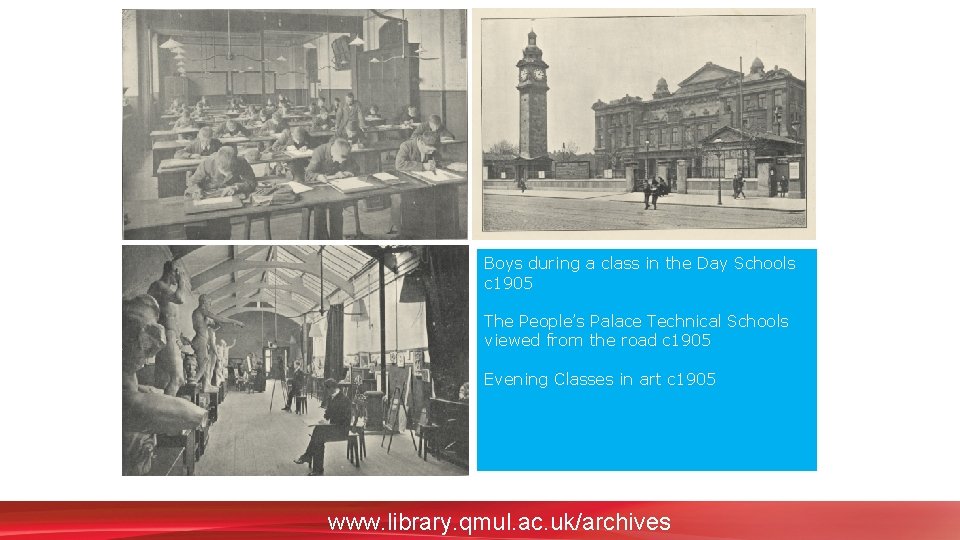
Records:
x=229, y=140
x=352, y=185
x=212, y=204
x=172, y=163
x=296, y=154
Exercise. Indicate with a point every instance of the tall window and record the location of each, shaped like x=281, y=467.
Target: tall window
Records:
x=748, y=102
x=676, y=136
x=778, y=98
x=762, y=101
x=689, y=134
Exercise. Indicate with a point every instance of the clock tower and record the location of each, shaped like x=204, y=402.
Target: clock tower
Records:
x=533, y=100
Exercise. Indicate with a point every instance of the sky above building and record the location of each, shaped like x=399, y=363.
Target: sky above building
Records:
x=609, y=57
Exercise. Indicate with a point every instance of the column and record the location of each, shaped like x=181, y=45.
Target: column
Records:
x=681, y=176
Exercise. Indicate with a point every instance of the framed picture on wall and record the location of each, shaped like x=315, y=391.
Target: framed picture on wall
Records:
x=364, y=359
x=376, y=358
x=418, y=360
x=425, y=375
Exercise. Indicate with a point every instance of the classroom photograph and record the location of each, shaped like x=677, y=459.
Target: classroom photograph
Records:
x=316, y=124
x=294, y=360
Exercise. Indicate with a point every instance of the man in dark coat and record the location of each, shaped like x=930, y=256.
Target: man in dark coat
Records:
x=338, y=413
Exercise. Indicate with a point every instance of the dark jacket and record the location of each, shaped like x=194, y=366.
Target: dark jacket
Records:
x=208, y=178
x=346, y=113
x=322, y=163
x=339, y=410
x=409, y=157
x=425, y=128
x=195, y=148
x=286, y=139
x=405, y=117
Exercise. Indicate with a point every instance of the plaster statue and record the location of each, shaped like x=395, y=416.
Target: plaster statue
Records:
x=205, y=350
x=167, y=292
x=147, y=410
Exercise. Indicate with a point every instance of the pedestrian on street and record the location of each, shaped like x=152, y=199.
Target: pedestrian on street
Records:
x=784, y=186
x=521, y=183
x=651, y=193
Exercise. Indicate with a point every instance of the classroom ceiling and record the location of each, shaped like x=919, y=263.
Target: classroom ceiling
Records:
x=312, y=21
x=287, y=278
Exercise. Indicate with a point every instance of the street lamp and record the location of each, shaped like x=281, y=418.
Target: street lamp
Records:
x=719, y=151
x=646, y=160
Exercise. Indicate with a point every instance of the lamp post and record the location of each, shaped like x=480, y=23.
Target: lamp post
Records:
x=719, y=152
x=646, y=160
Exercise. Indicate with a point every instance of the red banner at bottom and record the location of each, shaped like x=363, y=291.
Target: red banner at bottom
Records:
x=484, y=520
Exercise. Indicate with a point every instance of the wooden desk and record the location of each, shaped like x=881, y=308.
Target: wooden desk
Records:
x=167, y=134
x=163, y=150
x=428, y=210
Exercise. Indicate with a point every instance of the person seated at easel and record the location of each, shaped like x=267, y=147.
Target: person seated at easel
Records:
x=330, y=161
x=232, y=128
x=338, y=414
x=275, y=125
x=297, y=138
x=419, y=154
x=434, y=124
x=184, y=122
x=409, y=116
x=373, y=117
x=203, y=145
x=299, y=382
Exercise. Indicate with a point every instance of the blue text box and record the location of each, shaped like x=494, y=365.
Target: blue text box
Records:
x=736, y=330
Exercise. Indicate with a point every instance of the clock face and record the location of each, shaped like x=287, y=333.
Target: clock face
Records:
x=539, y=74
x=524, y=74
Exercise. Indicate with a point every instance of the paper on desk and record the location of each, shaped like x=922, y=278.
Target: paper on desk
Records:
x=382, y=176
x=294, y=153
x=233, y=139
x=351, y=184
x=459, y=167
x=439, y=175
x=180, y=162
x=213, y=200
x=298, y=188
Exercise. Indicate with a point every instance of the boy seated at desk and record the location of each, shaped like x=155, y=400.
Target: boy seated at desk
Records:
x=419, y=154
x=184, y=122
x=323, y=121
x=235, y=105
x=283, y=101
x=249, y=113
x=203, y=145
x=297, y=138
x=373, y=117
x=320, y=105
x=409, y=116
x=275, y=125
x=223, y=174
x=202, y=104
x=435, y=125
x=284, y=109
x=176, y=107
x=232, y=128
x=331, y=161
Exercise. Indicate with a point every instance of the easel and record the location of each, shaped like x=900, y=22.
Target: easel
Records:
x=392, y=422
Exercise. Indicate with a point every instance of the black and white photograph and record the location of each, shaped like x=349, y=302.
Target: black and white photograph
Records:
x=265, y=360
x=313, y=124
x=669, y=121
